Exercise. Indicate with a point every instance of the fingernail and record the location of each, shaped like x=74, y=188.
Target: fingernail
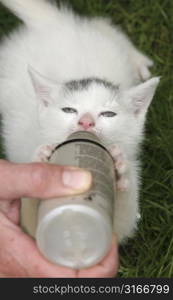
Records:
x=77, y=179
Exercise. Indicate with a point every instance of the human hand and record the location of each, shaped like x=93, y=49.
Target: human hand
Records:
x=19, y=255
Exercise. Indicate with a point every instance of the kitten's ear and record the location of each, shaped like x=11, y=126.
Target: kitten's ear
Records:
x=141, y=95
x=42, y=86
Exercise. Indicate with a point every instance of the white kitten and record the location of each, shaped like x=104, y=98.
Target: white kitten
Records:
x=86, y=77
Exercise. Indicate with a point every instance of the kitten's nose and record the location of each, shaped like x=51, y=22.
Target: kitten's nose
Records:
x=86, y=121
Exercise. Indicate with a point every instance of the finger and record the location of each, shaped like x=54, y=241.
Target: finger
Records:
x=11, y=209
x=108, y=267
x=41, y=180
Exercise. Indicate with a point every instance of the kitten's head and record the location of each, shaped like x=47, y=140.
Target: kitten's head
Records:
x=92, y=104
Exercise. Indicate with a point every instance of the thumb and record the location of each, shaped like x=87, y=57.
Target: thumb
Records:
x=41, y=180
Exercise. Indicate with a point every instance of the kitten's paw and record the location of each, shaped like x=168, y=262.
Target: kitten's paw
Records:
x=121, y=167
x=122, y=184
x=119, y=159
x=43, y=153
x=114, y=151
x=120, y=164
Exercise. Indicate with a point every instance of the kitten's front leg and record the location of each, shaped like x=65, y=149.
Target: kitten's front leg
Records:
x=121, y=167
x=43, y=153
x=126, y=210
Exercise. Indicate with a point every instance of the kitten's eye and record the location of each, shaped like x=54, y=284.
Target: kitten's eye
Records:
x=69, y=110
x=108, y=114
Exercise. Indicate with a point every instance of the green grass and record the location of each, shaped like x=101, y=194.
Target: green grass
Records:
x=149, y=23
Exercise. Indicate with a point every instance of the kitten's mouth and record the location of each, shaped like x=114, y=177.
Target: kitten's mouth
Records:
x=87, y=130
x=92, y=130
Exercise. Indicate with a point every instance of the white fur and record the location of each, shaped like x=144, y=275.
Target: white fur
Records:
x=62, y=47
